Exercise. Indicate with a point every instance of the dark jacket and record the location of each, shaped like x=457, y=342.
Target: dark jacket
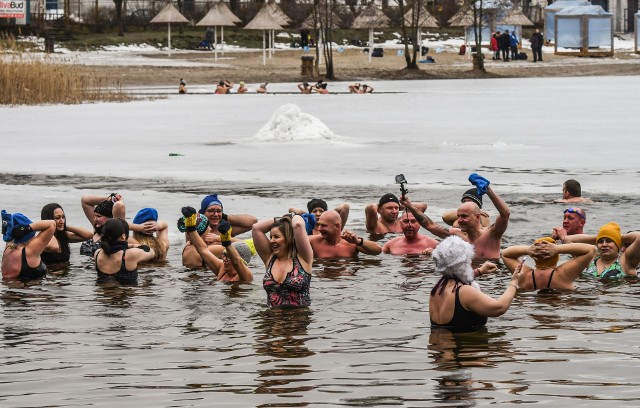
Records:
x=505, y=41
x=537, y=40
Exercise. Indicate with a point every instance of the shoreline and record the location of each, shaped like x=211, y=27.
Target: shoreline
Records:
x=351, y=65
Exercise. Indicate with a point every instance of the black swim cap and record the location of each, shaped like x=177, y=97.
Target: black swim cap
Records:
x=105, y=208
x=472, y=194
x=315, y=203
x=388, y=198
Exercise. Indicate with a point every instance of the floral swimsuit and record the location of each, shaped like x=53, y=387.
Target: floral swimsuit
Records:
x=293, y=291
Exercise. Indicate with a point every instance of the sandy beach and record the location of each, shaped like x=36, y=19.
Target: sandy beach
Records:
x=199, y=67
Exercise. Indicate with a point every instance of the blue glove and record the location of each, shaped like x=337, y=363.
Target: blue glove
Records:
x=481, y=183
x=309, y=222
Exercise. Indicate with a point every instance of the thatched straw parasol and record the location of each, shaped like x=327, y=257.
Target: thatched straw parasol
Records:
x=425, y=20
x=222, y=6
x=371, y=17
x=461, y=19
x=216, y=17
x=169, y=14
x=263, y=21
x=515, y=18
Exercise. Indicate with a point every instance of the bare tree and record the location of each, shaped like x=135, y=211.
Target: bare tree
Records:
x=119, y=18
x=410, y=29
x=323, y=16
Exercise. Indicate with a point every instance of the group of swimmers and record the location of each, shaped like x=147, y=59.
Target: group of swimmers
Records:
x=226, y=87
x=287, y=245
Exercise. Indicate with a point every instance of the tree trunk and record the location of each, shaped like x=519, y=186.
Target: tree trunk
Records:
x=478, y=63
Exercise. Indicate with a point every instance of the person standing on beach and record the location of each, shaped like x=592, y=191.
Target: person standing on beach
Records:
x=333, y=242
x=486, y=240
x=383, y=218
x=537, y=41
x=412, y=242
x=182, y=89
x=513, y=42
x=495, y=47
x=505, y=45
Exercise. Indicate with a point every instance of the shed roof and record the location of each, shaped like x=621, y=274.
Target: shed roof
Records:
x=583, y=11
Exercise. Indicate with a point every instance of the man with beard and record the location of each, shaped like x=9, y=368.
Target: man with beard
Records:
x=383, y=218
x=486, y=240
x=332, y=242
x=413, y=242
x=98, y=210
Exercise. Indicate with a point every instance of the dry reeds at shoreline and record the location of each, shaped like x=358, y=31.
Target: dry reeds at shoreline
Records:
x=27, y=81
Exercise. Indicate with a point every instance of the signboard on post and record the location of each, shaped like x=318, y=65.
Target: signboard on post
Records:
x=15, y=9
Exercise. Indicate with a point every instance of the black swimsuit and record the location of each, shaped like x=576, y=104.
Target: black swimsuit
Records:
x=123, y=275
x=58, y=257
x=29, y=273
x=462, y=318
x=533, y=277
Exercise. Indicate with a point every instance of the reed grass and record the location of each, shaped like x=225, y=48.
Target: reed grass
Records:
x=27, y=80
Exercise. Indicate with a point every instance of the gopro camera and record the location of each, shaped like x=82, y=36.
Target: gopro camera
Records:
x=402, y=181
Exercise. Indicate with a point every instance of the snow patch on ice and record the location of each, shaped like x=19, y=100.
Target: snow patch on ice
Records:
x=289, y=123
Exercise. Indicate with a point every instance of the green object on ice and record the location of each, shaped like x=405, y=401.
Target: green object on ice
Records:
x=175, y=154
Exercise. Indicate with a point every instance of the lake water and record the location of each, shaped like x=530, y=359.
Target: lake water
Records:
x=181, y=339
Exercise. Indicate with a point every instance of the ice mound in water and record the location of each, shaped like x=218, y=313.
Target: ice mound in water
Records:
x=289, y=123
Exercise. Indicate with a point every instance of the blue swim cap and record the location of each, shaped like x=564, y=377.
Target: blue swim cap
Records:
x=208, y=201
x=10, y=221
x=145, y=214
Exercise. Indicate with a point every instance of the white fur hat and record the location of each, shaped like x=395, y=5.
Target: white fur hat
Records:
x=453, y=258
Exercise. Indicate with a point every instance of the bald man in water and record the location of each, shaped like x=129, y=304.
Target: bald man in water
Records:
x=332, y=242
x=486, y=240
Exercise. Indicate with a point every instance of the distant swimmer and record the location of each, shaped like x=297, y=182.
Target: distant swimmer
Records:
x=98, y=210
x=242, y=89
x=383, y=217
x=333, y=242
x=358, y=88
x=572, y=223
x=412, y=242
x=317, y=206
x=182, y=88
x=21, y=258
x=547, y=274
x=451, y=216
x=571, y=193
x=233, y=267
x=58, y=250
x=486, y=240
x=321, y=89
x=305, y=88
x=262, y=89
x=224, y=87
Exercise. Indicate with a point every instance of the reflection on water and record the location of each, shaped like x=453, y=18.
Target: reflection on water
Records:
x=281, y=336
x=454, y=353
